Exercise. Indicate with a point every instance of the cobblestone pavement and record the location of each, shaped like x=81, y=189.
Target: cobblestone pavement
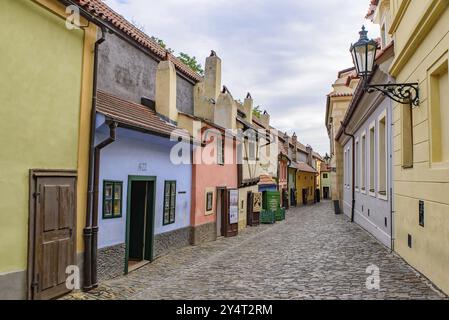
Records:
x=312, y=255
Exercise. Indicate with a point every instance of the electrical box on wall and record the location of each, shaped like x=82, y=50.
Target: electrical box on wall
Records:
x=421, y=213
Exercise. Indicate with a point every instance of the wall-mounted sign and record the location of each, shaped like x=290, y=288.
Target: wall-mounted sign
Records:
x=257, y=202
x=233, y=206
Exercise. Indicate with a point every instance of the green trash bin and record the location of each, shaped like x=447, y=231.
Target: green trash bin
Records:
x=280, y=214
x=267, y=217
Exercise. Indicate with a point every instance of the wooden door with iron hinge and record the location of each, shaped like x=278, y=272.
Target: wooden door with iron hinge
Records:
x=52, y=232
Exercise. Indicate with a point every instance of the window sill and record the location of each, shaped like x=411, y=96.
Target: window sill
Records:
x=382, y=197
x=113, y=217
x=372, y=194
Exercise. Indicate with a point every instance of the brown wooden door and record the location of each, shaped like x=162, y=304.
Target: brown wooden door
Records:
x=249, y=209
x=231, y=229
x=52, y=233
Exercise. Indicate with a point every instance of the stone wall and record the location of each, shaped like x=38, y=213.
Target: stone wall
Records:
x=111, y=262
x=165, y=242
x=129, y=73
x=204, y=233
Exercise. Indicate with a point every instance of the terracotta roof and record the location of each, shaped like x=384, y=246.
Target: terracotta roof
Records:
x=134, y=115
x=317, y=155
x=266, y=180
x=100, y=10
x=325, y=168
x=304, y=167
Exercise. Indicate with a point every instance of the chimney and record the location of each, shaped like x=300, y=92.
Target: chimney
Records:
x=212, y=76
x=207, y=91
x=295, y=146
x=309, y=156
x=265, y=118
x=166, y=90
x=226, y=110
x=248, y=107
x=286, y=141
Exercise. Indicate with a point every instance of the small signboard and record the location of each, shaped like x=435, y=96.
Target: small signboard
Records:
x=257, y=202
x=233, y=206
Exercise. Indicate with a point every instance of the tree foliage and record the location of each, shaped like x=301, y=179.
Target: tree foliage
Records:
x=191, y=62
x=162, y=44
x=257, y=111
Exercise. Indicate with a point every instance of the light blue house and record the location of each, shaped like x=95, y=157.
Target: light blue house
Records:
x=143, y=202
x=145, y=199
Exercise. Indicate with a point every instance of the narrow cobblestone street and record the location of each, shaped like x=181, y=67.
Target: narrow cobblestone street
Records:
x=312, y=255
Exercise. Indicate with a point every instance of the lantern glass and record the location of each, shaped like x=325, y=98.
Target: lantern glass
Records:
x=364, y=54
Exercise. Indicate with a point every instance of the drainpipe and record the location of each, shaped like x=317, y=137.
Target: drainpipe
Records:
x=353, y=172
x=87, y=232
x=101, y=145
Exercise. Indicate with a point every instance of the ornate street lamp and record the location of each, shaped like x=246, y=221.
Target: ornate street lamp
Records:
x=364, y=56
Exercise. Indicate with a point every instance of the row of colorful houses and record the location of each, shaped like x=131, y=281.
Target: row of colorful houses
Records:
x=389, y=149
x=114, y=152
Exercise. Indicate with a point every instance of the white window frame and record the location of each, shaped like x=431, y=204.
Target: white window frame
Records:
x=357, y=165
x=382, y=116
x=363, y=153
x=348, y=168
x=344, y=168
x=372, y=165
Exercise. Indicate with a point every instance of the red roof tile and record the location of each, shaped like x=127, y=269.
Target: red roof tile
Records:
x=304, y=167
x=134, y=115
x=372, y=8
x=100, y=10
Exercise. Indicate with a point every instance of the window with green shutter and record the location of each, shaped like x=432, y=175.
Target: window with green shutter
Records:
x=112, y=199
x=169, y=202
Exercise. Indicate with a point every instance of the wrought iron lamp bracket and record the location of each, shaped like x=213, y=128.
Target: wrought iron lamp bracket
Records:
x=404, y=93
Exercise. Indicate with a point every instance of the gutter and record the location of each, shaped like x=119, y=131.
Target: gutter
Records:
x=353, y=172
x=88, y=231
x=97, y=156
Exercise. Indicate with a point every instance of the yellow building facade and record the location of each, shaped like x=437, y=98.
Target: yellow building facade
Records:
x=337, y=104
x=46, y=95
x=420, y=30
x=305, y=184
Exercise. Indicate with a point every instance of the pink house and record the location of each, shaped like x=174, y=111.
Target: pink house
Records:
x=214, y=185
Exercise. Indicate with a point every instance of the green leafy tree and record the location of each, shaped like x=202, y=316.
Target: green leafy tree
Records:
x=257, y=112
x=162, y=44
x=191, y=62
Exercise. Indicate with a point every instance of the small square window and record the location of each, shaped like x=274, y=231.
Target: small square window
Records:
x=209, y=200
x=112, y=199
x=169, y=202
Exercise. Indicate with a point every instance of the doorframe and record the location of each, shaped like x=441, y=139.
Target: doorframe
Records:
x=32, y=179
x=222, y=210
x=132, y=179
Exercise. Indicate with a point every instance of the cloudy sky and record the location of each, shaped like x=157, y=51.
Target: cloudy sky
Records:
x=285, y=52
